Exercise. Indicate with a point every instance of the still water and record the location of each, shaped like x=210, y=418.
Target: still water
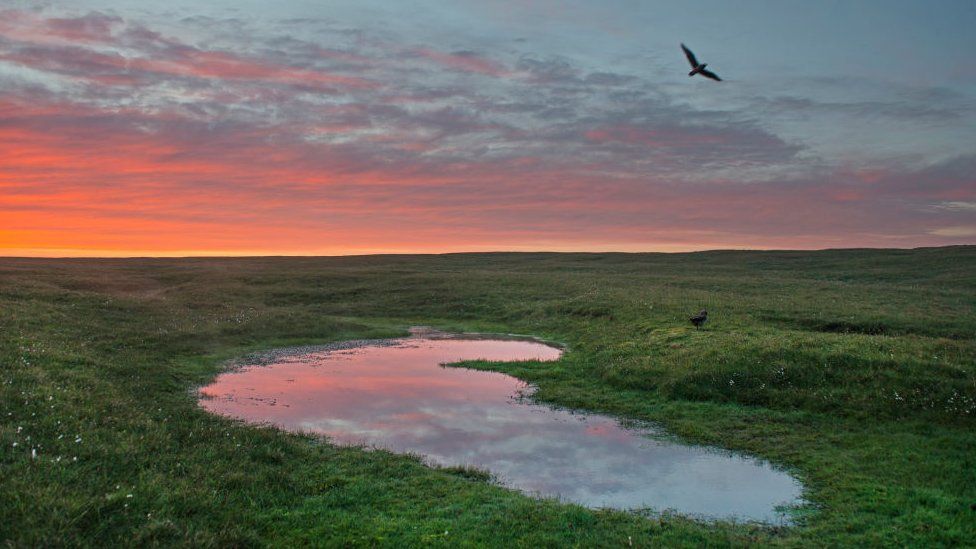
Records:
x=395, y=394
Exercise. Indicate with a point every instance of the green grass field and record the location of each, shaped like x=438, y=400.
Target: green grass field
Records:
x=855, y=369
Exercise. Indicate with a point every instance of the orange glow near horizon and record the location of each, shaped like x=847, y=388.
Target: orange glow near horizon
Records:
x=137, y=210
x=130, y=193
x=112, y=253
x=117, y=140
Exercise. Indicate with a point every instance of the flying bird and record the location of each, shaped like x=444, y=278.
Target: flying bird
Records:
x=700, y=318
x=698, y=68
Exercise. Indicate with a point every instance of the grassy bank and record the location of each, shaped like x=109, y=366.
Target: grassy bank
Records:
x=855, y=369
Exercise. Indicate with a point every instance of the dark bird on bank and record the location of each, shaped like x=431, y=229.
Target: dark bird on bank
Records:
x=700, y=318
x=698, y=68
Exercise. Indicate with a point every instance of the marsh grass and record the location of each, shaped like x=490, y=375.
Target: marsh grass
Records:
x=854, y=369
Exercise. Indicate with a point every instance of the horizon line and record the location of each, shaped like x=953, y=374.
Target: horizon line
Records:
x=219, y=255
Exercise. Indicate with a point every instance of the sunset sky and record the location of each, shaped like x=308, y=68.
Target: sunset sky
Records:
x=233, y=127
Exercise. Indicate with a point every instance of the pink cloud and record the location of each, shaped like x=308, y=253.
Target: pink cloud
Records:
x=67, y=54
x=655, y=137
x=32, y=27
x=94, y=27
x=463, y=61
x=228, y=66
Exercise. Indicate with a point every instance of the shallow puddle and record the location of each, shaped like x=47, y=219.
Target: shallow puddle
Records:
x=396, y=395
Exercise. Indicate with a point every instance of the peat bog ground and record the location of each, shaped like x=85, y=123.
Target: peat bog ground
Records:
x=853, y=369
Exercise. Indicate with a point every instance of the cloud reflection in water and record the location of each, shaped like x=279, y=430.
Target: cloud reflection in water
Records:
x=398, y=397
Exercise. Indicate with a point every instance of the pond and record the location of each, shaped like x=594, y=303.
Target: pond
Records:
x=395, y=394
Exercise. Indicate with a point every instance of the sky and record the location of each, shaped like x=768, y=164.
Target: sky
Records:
x=246, y=127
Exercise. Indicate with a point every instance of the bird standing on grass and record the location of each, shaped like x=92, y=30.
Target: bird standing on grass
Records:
x=699, y=319
x=698, y=68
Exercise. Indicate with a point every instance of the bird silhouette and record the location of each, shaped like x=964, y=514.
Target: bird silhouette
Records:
x=698, y=68
x=699, y=319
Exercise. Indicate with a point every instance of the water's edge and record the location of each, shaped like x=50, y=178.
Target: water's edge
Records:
x=656, y=430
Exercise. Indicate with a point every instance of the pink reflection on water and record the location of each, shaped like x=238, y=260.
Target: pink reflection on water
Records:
x=398, y=396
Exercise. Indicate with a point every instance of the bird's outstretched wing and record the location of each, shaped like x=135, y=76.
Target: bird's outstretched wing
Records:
x=709, y=74
x=690, y=56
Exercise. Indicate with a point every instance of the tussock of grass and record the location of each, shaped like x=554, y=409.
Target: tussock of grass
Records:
x=855, y=369
x=470, y=473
